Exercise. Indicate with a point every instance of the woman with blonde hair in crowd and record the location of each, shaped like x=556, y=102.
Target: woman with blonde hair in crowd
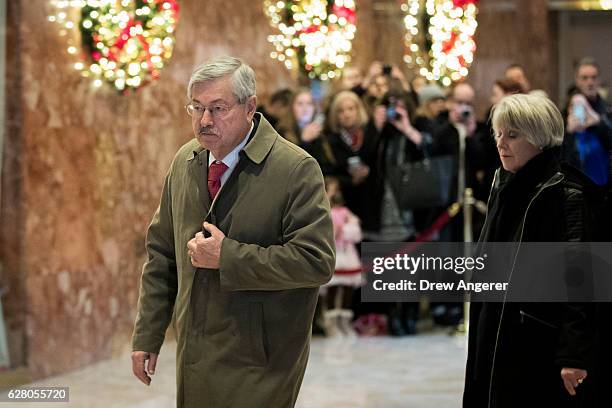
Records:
x=353, y=140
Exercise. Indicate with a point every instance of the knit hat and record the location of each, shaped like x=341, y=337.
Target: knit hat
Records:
x=429, y=93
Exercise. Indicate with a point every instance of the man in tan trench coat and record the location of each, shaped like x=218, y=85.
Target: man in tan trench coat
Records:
x=243, y=293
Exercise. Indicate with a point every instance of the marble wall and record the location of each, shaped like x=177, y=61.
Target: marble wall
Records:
x=83, y=167
x=82, y=175
x=515, y=31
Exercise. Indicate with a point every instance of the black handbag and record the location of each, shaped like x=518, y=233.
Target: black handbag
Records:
x=422, y=184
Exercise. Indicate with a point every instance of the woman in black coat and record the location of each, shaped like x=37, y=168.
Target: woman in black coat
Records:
x=399, y=142
x=530, y=354
x=353, y=140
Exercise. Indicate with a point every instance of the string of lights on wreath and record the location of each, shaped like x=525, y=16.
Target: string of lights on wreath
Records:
x=440, y=38
x=123, y=42
x=315, y=35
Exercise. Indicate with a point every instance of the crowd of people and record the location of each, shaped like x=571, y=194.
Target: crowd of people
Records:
x=373, y=122
x=242, y=282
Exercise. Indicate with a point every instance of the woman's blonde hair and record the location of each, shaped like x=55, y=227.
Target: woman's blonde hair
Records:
x=334, y=124
x=535, y=116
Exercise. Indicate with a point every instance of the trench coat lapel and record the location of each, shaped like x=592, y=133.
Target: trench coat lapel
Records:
x=262, y=141
x=198, y=167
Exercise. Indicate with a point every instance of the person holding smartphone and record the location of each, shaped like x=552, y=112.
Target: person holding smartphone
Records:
x=353, y=140
x=304, y=127
x=399, y=142
x=588, y=142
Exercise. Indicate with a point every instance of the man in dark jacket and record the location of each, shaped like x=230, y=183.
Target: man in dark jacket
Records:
x=464, y=138
x=462, y=134
x=588, y=142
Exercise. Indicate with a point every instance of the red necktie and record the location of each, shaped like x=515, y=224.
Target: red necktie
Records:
x=215, y=171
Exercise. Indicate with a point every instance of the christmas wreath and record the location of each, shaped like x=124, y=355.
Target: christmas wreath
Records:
x=440, y=37
x=315, y=35
x=125, y=42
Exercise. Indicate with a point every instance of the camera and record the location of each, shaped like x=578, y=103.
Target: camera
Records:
x=391, y=112
x=465, y=112
x=386, y=70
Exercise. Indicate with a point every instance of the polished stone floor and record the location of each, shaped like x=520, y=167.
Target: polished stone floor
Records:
x=423, y=371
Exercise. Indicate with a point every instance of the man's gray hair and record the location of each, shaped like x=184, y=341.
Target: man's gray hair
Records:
x=243, y=76
x=535, y=116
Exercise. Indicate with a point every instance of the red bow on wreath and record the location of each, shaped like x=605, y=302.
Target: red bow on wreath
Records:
x=345, y=12
x=447, y=46
x=463, y=3
x=313, y=28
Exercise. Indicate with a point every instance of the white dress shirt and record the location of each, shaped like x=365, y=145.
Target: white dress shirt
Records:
x=231, y=160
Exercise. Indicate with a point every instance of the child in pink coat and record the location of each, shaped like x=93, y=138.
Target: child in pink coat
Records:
x=347, y=233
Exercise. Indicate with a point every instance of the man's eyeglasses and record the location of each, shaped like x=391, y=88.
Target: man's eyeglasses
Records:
x=218, y=110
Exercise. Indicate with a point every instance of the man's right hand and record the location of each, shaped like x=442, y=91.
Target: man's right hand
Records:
x=138, y=365
x=572, y=378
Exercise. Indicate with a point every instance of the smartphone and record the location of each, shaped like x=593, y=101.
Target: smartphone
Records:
x=319, y=119
x=386, y=69
x=354, y=162
x=579, y=113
